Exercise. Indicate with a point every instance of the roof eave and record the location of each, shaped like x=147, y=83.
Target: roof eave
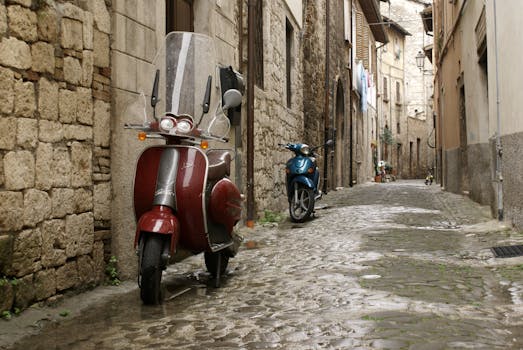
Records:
x=371, y=11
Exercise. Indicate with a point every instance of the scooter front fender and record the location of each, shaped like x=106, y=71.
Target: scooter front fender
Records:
x=304, y=180
x=160, y=220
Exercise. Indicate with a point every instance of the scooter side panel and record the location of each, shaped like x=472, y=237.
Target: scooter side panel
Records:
x=190, y=198
x=304, y=180
x=225, y=204
x=145, y=180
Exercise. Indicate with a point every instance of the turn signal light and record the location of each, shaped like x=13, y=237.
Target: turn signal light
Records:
x=142, y=136
x=310, y=170
x=204, y=144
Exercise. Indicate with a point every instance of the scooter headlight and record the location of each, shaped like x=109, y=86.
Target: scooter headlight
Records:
x=184, y=126
x=305, y=150
x=167, y=124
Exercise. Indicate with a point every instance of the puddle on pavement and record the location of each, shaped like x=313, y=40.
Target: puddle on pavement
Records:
x=401, y=330
x=412, y=240
x=434, y=282
x=125, y=312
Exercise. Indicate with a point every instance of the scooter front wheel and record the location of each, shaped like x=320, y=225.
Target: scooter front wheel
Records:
x=151, y=270
x=301, y=204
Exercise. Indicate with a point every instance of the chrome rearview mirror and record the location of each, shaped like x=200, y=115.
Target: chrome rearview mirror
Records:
x=231, y=98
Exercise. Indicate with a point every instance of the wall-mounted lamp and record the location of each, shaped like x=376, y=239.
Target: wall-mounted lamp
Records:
x=420, y=60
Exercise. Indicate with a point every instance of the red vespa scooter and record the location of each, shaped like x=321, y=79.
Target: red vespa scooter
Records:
x=183, y=199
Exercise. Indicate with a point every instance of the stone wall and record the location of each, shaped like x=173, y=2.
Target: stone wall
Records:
x=314, y=48
x=136, y=35
x=274, y=122
x=314, y=77
x=54, y=148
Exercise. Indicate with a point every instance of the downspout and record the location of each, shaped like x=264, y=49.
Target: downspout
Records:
x=326, y=107
x=499, y=147
x=250, y=113
x=238, y=128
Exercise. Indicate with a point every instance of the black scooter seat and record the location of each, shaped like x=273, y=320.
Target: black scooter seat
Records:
x=219, y=164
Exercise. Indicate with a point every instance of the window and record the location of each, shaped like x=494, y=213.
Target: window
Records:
x=418, y=150
x=410, y=158
x=397, y=49
x=398, y=92
x=179, y=16
x=289, y=34
x=398, y=120
x=346, y=20
x=385, y=89
x=354, y=48
x=481, y=41
x=258, y=44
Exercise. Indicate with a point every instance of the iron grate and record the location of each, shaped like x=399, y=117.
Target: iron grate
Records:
x=507, y=251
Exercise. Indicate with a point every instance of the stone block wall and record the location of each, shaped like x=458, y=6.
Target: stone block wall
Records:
x=274, y=122
x=55, y=177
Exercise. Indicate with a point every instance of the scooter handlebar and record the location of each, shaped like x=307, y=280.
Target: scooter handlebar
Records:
x=135, y=126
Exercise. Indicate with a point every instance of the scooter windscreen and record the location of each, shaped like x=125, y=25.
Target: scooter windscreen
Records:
x=182, y=83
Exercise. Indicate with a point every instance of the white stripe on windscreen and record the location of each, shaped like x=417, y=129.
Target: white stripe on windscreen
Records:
x=180, y=69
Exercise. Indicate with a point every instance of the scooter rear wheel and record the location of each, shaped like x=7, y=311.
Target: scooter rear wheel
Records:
x=151, y=270
x=301, y=205
x=211, y=262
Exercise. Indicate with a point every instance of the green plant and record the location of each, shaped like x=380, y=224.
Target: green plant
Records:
x=386, y=136
x=6, y=315
x=64, y=313
x=4, y=280
x=270, y=216
x=112, y=272
x=372, y=318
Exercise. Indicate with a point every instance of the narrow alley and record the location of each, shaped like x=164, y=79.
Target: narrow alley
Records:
x=395, y=265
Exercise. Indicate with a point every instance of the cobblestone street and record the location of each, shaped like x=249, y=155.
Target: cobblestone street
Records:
x=395, y=265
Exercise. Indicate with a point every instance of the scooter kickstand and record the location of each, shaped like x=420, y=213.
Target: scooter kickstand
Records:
x=217, y=282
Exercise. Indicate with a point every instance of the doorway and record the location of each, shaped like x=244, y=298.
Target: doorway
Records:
x=463, y=157
x=339, y=136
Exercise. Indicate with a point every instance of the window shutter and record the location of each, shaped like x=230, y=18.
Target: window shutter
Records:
x=359, y=36
x=366, y=39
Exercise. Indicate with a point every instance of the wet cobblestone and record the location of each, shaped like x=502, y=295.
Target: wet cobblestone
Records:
x=383, y=266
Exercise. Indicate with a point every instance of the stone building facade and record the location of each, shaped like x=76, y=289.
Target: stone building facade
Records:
x=138, y=31
x=278, y=118
x=477, y=94
x=328, y=117
x=55, y=179
x=367, y=33
x=392, y=121
x=417, y=152
x=333, y=65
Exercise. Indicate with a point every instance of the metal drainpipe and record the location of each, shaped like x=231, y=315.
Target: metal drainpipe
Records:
x=326, y=121
x=499, y=147
x=250, y=113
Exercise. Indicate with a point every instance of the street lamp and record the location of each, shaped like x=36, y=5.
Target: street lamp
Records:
x=420, y=60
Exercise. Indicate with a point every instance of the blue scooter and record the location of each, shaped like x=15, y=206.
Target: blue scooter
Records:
x=303, y=177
